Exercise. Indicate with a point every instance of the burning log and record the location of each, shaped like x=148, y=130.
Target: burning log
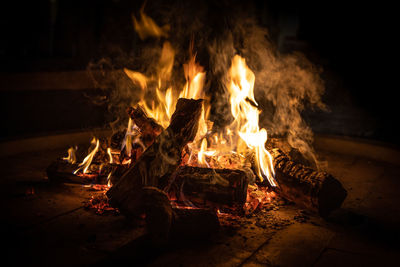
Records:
x=210, y=187
x=317, y=191
x=61, y=171
x=159, y=160
x=149, y=128
x=164, y=222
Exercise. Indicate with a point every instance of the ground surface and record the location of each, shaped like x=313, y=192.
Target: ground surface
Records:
x=48, y=225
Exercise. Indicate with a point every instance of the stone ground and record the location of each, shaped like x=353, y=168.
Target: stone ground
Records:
x=47, y=224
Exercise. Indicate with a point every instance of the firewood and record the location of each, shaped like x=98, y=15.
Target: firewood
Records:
x=149, y=128
x=159, y=160
x=61, y=171
x=206, y=187
x=316, y=191
x=164, y=222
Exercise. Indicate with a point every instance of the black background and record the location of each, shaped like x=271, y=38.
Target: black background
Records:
x=355, y=41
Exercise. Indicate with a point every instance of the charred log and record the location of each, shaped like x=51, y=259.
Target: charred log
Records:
x=206, y=187
x=159, y=160
x=317, y=191
x=164, y=222
x=61, y=171
x=149, y=128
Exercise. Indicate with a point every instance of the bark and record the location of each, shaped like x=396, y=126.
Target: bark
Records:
x=317, y=191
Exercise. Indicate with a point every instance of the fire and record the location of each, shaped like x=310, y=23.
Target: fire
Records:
x=88, y=160
x=240, y=139
x=71, y=158
x=162, y=107
x=146, y=27
x=242, y=143
x=245, y=111
x=110, y=155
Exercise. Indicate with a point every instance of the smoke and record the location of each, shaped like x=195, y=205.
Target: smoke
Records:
x=285, y=86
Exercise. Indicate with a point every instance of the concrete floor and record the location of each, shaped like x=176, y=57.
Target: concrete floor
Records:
x=51, y=226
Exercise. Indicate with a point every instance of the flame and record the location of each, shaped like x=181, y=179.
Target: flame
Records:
x=88, y=159
x=245, y=111
x=71, y=158
x=162, y=106
x=110, y=155
x=234, y=143
x=201, y=153
x=146, y=27
x=244, y=133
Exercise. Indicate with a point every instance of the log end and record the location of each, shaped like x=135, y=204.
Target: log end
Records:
x=331, y=196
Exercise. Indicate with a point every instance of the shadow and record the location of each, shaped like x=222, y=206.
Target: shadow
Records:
x=367, y=227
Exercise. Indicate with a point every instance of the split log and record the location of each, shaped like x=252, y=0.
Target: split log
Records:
x=317, y=191
x=149, y=128
x=159, y=160
x=164, y=222
x=206, y=187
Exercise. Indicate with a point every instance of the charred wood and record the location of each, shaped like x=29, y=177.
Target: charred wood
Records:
x=206, y=187
x=164, y=222
x=149, y=128
x=317, y=191
x=61, y=171
x=159, y=160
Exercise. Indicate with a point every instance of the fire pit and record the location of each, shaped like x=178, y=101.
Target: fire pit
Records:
x=41, y=216
x=207, y=159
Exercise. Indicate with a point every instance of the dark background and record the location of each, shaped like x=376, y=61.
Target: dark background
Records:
x=351, y=42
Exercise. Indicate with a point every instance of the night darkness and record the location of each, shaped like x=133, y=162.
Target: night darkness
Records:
x=325, y=91
x=350, y=42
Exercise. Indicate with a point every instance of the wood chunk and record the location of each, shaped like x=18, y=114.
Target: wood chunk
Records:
x=159, y=160
x=317, y=191
x=164, y=222
x=206, y=187
x=149, y=128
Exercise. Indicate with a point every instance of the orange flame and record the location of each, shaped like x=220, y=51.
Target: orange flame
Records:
x=71, y=158
x=146, y=27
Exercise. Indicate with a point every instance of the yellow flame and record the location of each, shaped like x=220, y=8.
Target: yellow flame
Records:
x=200, y=154
x=110, y=155
x=109, y=179
x=246, y=117
x=71, y=158
x=137, y=77
x=88, y=160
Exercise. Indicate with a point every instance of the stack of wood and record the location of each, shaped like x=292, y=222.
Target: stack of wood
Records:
x=143, y=187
